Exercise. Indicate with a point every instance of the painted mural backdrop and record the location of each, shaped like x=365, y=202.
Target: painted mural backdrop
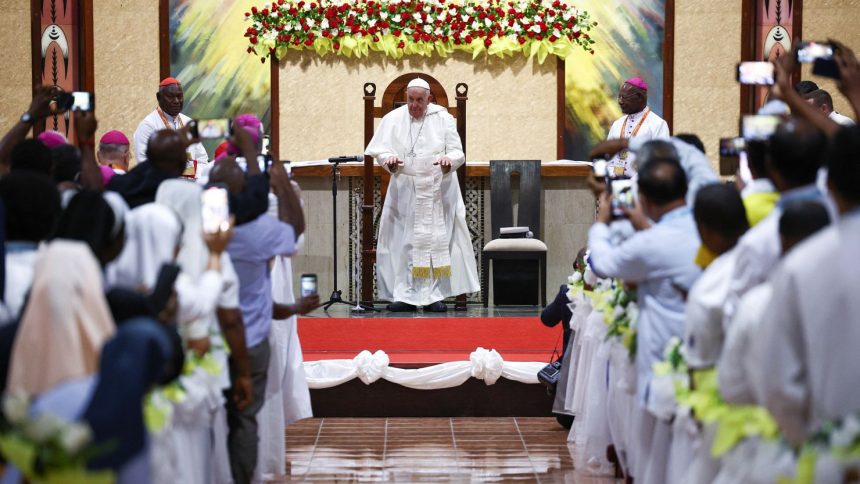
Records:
x=218, y=77
x=629, y=42
x=59, y=50
x=221, y=80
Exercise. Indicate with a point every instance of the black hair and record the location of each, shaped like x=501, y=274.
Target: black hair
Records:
x=662, y=180
x=32, y=205
x=66, y=163
x=756, y=151
x=88, y=218
x=820, y=97
x=805, y=87
x=720, y=208
x=802, y=218
x=843, y=163
x=692, y=139
x=796, y=151
x=31, y=155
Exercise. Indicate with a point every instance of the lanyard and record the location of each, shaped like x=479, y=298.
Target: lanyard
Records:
x=638, y=126
x=164, y=120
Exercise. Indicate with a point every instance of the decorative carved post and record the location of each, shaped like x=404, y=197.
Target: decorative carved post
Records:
x=368, y=250
x=462, y=91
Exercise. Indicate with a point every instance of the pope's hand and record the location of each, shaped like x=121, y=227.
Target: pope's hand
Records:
x=444, y=163
x=392, y=163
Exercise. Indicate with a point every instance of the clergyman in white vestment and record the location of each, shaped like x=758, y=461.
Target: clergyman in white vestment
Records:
x=423, y=252
x=638, y=122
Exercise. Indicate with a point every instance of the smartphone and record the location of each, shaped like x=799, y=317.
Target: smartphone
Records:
x=264, y=162
x=163, y=289
x=215, y=210
x=758, y=126
x=76, y=101
x=621, y=189
x=229, y=127
x=809, y=52
x=265, y=146
x=308, y=284
x=756, y=73
x=600, y=168
x=288, y=167
x=193, y=130
x=732, y=147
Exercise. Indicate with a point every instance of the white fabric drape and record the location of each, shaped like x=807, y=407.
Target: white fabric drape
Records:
x=486, y=365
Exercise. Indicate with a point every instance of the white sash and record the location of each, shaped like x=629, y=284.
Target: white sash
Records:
x=430, y=255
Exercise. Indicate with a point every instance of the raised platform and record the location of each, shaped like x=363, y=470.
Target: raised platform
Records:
x=425, y=339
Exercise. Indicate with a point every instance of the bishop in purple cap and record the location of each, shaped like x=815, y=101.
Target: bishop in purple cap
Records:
x=639, y=122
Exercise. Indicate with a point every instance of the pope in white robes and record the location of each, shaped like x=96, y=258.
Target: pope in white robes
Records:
x=424, y=251
x=639, y=122
x=168, y=116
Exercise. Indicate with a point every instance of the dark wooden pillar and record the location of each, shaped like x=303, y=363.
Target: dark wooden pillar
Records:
x=462, y=93
x=368, y=249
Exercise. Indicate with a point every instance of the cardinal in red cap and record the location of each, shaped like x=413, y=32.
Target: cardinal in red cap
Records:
x=168, y=115
x=639, y=122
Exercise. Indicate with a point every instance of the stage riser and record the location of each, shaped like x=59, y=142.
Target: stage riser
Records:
x=474, y=398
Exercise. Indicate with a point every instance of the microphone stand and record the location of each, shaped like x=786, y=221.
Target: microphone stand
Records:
x=336, y=295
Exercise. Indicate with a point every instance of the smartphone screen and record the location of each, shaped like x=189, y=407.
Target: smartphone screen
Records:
x=732, y=146
x=808, y=52
x=308, y=284
x=758, y=126
x=215, y=210
x=622, y=195
x=599, y=167
x=265, y=147
x=756, y=73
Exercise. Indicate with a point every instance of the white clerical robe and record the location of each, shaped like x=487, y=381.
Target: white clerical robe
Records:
x=737, y=364
x=703, y=321
x=152, y=123
x=441, y=237
x=806, y=349
x=644, y=125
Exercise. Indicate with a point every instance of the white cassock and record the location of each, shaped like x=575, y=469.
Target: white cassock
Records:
x=703, y=320
x=154, y=122
x=644, y=125
x=806, y=348
x=424, y=251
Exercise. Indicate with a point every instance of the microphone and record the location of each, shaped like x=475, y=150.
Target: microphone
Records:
x=344, y=159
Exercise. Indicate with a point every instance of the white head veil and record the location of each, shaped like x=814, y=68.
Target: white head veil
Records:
x=183, y=197
x=152, y=235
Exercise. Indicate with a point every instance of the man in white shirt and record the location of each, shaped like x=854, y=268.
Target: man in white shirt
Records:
x=168, y=116
x=424, y=251
x=638, y=122
x=822, y=100
x=808, y=337
x=794, y=157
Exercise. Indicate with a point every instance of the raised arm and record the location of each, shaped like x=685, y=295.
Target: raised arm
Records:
x=40, y=108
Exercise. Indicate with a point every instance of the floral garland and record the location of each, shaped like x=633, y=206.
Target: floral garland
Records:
x=621, y=314
x=46, y=448
x=831, y=454
x=417, y=27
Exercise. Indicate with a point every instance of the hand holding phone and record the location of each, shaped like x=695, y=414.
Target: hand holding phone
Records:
x=756, y=73
x=622, y=192
x=75, y=101
x=215, y=208
x=308, y=285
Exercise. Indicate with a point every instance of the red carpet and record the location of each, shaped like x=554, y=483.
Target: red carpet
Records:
x=427, y=340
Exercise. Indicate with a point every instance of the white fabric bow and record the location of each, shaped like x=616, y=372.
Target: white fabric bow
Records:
x=370, y=367
x=486, y=365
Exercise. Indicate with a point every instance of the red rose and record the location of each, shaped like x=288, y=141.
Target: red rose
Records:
x=570, y=25
x=376, y=38
x=265, y=12
x=293, y=11
x=468, y=39
x=519, y=15
x=309, y=42
x=487, y=42
x=254, y=40
x=250, y=50
x=355, y=29
x=341, y=33
x=254, y=10
x=397, y=33
x=401, y=45
x=280, y=2
x=530, y=34
x=416, y=36
x=325, y=33
x=391, y=9
x=482, y=15
x=576, y=35
x=521, y=40
x=425, y=37
x=539, y=37
x=336, y=45
x=553, y=38
x=457, y=41
x=306, y=27
x=510, y=22
x=247, y=14
x=313, y=6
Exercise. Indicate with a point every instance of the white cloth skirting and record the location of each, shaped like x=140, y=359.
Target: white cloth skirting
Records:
x=620, y=400
x=394, y=246
x=486, y=365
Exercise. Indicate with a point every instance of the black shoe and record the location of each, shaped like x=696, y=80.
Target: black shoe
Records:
x=401, y=307
x=436, y=307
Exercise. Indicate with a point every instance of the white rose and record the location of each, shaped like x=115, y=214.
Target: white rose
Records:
x=363, y=17
x=383, y=15
x=566, y=16
x=43, y=427
x=396, y=19
x=75, y=438
x=470, y=10
x=633, y=311
x=275, y=14
x=464, y=17
x=324, y=24
x=556, y=33
x=517, y=28
x=428, y=29
x=311, y=22
x=574, y=278
x=438, y=31
x=306, y=7
x=417, y=17
x=371, y=23
x=427, y=8
x=618, y=311
x=453, y=11
x=575, y=28
x=535, y=28
x=16, y=406
x=488, y=22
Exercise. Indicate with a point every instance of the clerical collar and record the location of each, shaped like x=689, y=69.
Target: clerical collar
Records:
x=640, y=113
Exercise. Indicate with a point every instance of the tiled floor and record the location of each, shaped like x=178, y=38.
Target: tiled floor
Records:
x=431, y=449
